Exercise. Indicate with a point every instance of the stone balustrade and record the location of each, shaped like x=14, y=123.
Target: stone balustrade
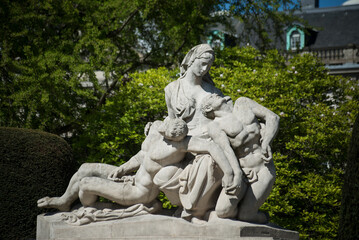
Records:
x=333, y=55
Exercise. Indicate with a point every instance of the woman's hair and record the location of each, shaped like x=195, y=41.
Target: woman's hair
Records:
x=195, y=53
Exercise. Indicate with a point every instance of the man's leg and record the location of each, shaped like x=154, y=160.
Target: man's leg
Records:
x=255, y=196
x=227, y=205
x=123, y=193
x=64, y=202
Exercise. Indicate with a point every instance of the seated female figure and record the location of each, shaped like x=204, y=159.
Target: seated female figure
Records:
x=200, y=180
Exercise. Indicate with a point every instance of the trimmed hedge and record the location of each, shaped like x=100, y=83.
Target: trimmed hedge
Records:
x=33, y=164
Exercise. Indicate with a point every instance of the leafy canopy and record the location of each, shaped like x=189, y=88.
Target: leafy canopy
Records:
x=52, y=52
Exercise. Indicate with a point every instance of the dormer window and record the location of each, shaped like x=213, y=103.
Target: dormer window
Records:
x=295, y=39
x=216, y=39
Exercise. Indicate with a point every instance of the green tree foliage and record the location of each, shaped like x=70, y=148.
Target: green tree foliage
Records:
x=317, y=113
x=50, y=51
x=349, y=214
x=263, y=21
x=116, y=133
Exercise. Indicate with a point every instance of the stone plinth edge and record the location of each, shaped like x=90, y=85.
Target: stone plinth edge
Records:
x=50, y=227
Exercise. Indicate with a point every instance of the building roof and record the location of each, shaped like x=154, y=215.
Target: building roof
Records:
x=334, y=26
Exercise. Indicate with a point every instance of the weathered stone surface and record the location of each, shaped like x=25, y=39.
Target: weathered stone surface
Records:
x=208, y=154
x=211, y=158
x=51, y=227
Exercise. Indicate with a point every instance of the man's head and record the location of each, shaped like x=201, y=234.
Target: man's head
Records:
x=211, y=103
x=174, y=129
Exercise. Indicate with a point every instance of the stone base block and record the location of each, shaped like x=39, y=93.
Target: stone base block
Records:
x=50, y=227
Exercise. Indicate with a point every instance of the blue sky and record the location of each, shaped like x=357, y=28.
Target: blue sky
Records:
x=322, y=3
x=330, y=3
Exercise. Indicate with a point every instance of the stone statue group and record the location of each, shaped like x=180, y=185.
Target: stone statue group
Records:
x=211, y=158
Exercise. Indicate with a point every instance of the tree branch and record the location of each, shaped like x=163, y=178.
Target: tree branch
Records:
x=182, y=45
x=112, y=86
x=124, y=24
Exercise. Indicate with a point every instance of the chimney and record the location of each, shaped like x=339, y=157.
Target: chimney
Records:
x=309, y=4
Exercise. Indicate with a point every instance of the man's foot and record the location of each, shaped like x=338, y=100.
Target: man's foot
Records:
x=54, y=202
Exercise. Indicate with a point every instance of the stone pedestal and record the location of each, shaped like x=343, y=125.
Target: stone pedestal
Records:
x=50, y=227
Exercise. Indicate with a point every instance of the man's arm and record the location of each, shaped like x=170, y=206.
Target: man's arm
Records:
x=271, y=123
x=128, y=167
x=197, y=145
x=221, y=138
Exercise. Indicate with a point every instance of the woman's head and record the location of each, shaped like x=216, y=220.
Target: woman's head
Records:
x=200, y=55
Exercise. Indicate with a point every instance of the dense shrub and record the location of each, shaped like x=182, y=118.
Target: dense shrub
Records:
x=317, y=113
x=33, y=164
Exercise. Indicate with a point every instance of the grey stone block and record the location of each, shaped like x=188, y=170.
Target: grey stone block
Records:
x=50, y=227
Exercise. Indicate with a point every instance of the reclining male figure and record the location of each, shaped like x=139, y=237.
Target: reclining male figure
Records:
x=166, y=143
